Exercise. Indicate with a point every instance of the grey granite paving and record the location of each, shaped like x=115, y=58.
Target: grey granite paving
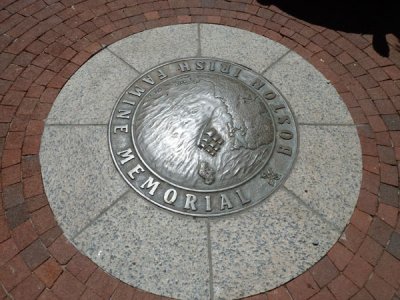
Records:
x=79, y=176
x=240, y=46
x=152, y=47
x=89, y=96
x=312, y=97
x=266, y=246
x=150, y=248
x=327, y=174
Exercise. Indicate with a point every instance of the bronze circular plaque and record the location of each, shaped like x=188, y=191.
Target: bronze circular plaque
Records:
x=203, y=137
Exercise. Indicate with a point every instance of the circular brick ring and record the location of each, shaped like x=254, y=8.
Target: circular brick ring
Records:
x=43, y=44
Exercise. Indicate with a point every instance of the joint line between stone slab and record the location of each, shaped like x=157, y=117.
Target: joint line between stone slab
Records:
x=100, y=215
x=315, y=212
x=198, y=41
x=275, y=62
x=123, y=60
x=211, y=283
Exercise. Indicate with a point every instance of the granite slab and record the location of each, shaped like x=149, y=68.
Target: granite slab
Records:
x=312, y=97
x=328, y=170
x=90, y=94
x=150, y=248
x=240, y=46
x=149, y=48
x=79, y=176
x=266, y=246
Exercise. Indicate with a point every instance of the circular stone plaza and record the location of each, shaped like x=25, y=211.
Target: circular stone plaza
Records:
x=197, y=149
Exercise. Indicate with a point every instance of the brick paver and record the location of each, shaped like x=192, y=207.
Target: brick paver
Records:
x=43, y=42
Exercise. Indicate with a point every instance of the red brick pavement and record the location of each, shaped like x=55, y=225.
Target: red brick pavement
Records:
x=43, y=42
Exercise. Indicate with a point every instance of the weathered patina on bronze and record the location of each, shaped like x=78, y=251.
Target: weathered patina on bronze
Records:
x=203, y=137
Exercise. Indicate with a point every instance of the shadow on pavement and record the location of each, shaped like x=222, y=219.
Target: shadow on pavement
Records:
x=365, y=17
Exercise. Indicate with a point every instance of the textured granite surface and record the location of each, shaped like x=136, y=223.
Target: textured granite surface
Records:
x=240, y=46
x=89, y=96
x=327, y=174
x=266, y=245
x=152, y=47
x=79, y=176
x=150, y=248
x=312, y=97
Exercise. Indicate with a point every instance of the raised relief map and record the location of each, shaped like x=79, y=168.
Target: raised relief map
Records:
x=199, y=120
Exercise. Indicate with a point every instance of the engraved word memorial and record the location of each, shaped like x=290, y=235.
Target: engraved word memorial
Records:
x=203, y=137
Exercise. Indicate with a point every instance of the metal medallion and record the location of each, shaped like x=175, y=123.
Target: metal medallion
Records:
x=203, y=137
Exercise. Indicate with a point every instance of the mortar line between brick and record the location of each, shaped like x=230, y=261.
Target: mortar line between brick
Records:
x=6, y=292
x=315, y=212
x=102, y=213
x=123, y=60
x=211, y=279
x=275, y=62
